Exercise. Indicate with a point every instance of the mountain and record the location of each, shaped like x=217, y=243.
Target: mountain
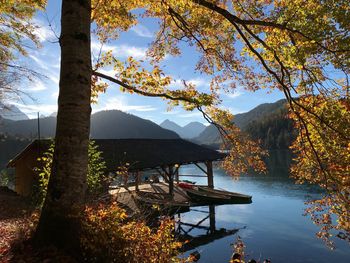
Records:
x=188, y=131
x=29, y=128
x=11, y=112
x=275, y=130
x=267, y=122
x=115, y=124
x=105, y=124
x=172, y=126
x=15, y=135
x=262, y=110
x=193, y=129
x=9, y=147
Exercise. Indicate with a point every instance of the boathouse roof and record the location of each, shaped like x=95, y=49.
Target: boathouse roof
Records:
x=140, y=154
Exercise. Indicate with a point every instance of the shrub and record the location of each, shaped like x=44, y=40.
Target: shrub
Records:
x=4, y=178
x=95, y=176
x=108, y=237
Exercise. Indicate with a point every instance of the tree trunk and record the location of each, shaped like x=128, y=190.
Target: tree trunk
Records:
x=59, y=223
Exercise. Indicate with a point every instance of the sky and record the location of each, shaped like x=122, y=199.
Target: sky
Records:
x=46, y=60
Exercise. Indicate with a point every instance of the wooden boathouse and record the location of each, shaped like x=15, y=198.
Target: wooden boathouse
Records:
x=162, y=156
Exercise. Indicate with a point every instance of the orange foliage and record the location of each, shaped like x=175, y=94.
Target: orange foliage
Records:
x=109, y=237
x=322, y=157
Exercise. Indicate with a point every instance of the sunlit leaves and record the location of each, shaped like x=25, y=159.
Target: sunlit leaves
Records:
x=15, y=27
x=299, y=47
x=108, y=237
x=323, y=158
x=242, y=152
x=134, y=78
x=17, y=33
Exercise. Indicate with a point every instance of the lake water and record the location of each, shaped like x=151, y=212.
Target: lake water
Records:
x=271, y=227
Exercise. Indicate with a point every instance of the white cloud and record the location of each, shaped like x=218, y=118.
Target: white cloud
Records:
x=120, y=103
x=176, y=83
x=236, y=93
x=199, y=82
x=54, y=78
x=32, y=109
x=171, y=112
x=142, y=31
x=34, y=86
x=234, y=110
x=51, y=72
x=44, y=32
x=109, y=72
x=96, y=46
x=54, y=94
x=121, y=51
x=39, y=61
x=136, y=52
x=191, y=114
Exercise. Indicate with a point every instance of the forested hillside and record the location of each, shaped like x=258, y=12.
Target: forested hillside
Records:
x=275, y=130
x=267, y=122
x=9, y=147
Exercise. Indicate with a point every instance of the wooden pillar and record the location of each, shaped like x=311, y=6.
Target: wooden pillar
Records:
x=171, y=181
x=164, y=174
x=177, y=174
x=210, y=175
x=125, y=177
x=137, y=181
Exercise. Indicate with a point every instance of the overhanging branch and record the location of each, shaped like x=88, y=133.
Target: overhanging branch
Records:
x=220, y=128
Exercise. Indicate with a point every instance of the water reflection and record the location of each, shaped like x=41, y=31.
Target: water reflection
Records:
x=271, y=227
x=201, y=231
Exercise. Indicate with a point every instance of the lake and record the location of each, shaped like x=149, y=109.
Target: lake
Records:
x=272, y=226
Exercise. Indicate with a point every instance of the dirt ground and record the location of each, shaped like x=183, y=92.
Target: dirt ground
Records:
x=16, y=219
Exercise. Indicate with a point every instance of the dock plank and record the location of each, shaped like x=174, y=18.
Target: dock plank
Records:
x=125, y=196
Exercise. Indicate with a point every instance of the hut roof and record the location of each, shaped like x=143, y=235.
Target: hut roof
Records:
x=140, y=154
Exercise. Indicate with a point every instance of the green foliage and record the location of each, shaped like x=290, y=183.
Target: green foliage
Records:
x=95, y=176
x=108, y=237
x=322, y=157
x=43, y=171
x=4, y=178
x=96, y=170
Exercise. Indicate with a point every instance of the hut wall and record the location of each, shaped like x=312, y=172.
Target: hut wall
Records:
x=24, y=175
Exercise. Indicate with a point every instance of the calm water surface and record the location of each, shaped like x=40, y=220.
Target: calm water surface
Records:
x=271, y=227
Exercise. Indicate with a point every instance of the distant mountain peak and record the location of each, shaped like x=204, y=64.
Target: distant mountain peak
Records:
x=113, y=124
x=167, y=121
x=11, y=112
x=191, y=130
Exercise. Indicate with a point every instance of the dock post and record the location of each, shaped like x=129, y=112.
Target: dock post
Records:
x=137, y=181
x=171, y=181
x=177, y=174
x=209, y=165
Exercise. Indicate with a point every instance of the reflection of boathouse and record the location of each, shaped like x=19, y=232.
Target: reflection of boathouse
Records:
x=206, y=223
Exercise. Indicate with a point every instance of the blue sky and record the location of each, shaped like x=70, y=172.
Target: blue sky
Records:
x=46, y=60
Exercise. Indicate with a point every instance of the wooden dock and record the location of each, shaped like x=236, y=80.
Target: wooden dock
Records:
x=126, y=196
x=147, y=195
